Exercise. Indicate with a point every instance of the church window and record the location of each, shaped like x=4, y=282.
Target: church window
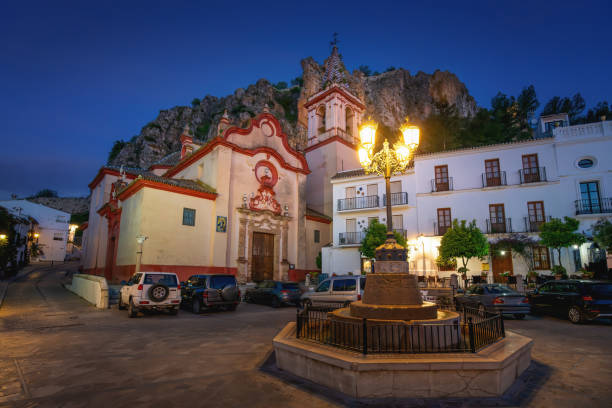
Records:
x=349, y=121
x=321, y=120
x=189, y=216
x=317, y=236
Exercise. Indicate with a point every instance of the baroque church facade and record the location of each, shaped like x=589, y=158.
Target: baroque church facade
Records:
x=243, y=203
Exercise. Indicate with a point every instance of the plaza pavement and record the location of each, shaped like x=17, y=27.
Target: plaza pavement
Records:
x=58, y=351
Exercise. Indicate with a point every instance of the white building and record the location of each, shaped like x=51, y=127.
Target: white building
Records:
x=506, y=188
x=53, y=227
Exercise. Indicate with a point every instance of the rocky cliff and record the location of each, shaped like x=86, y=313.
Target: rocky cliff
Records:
x=389, y=98
x=71, y=205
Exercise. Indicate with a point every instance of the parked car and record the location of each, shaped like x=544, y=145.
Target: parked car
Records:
x=274, y=293
x=150, y=291
x=210, y=291
x=576, y=299
x=494, y=297
x=337, y=289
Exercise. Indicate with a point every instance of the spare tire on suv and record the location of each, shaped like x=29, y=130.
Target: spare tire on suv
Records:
x=229, y=293
x=158, y=292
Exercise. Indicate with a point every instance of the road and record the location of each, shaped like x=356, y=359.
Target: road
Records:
x=58, y=351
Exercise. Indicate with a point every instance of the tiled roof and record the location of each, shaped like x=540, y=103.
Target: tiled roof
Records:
x=348, y=174
x=313, y=213
x=188, y=184
x=334, y=69
x=169, y=160
x=460, y=149
x=128, y=170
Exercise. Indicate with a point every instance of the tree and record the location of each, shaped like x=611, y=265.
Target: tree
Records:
x=298, y=81
x=526, y=105
x=519, y=244
x=375, y=236
x=602, y=233
x=441, y=129
x=8, y=247
x=117, y=147
x=557, y=234
x=46, y=192
x=281, y=85
x=195, y=102
x=391, y=68
x=573, y=107
x=319, y=260
x=464, y=241
x=365, y=69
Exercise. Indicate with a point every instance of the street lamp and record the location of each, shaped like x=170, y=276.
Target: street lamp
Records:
x=387, y=162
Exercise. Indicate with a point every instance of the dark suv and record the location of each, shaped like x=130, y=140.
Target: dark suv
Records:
x=579, y=300
x=210, y=291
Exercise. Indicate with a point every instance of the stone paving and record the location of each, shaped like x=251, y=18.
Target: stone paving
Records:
x=56, y=350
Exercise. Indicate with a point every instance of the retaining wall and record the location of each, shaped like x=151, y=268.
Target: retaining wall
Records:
x=93, y=289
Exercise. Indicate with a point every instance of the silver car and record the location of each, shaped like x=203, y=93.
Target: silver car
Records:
x=494, y=298
x=337, y=289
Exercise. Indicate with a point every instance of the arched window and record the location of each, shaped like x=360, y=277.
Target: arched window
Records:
x=321, y=119
x=349, y=121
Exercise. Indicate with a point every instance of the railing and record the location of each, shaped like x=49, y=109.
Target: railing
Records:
x=532, y=175
x=347, y=238
x=441, y=229
x=590, y=129
x=474, y=331
x=599, y=206
x=499, y=225
x=534, y=225
x=442, y=185
x=494, y=178
x=396, y=198
x=358, y=203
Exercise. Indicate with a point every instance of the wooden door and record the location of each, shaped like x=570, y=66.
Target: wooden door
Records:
x=531, y=173
x=501, y=263
x=262, y=266
x=442, y=178
x=497, y=218
x=493, y=175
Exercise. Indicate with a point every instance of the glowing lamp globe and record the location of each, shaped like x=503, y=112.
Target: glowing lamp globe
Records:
x=364, y=157
x=411, y=135
x=367, y=133
x=402, y=153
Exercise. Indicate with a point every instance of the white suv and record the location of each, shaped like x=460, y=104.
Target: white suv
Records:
x=150, y=291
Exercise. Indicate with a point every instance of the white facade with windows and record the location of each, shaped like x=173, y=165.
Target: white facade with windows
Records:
x=506, y=188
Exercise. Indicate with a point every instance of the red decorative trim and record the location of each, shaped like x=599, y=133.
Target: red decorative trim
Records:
x=141, y=183
x=186, y=139
x=348, y=96
x=328, y=141
x=160, y=166
x=274, y=179
x=84, y=226
x=318, y=219
x=124, y=272
x=111, y=172
x=222, y=141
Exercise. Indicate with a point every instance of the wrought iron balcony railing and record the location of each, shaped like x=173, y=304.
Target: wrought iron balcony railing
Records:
x=396, y=198
x=597, y=206
x=442, y=184
x=357, y=203
x=499, y=225
x=441, y=229
x=532, y=175
x=533, y=224
x=348, y=238
x=494, y=178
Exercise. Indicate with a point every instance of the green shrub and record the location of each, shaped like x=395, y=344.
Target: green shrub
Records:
x=117, y=147
x=195, y=102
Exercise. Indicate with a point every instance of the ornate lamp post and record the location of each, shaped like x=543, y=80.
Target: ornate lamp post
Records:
x=387, y=162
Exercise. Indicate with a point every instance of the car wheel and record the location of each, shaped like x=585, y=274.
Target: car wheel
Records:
x=120, y=304
x=275, y=302
x=132, y=312
x=519, y=316
x=575, y=315
x=196, y=307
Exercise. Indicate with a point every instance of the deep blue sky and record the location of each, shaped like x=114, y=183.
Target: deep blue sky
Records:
x=75, y=76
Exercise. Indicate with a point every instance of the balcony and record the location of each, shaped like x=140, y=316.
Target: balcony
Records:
x=442, y=185
x=532, y=175
x=440, y=230
x=599, y=206
x=351, y=238
x=358, y=203
x=400, y=198
x=499, y=225
x=533, y=225
x=494, y=178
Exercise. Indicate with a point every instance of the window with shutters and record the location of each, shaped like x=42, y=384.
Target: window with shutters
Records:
x=492, y=173
x=536, y=215
x=444, y=220
x=442, y=183
x=189, y=216
x=497, y=218
x=531, y=172
x=541, y=259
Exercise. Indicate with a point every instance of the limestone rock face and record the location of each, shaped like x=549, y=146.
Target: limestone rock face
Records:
x=389, y=98
x=71, y=205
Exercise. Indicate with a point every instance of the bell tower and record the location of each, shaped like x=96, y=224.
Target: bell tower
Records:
x=334, y=115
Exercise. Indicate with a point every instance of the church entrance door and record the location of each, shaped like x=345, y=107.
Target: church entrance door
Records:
x=501, y=264
x=262, y=266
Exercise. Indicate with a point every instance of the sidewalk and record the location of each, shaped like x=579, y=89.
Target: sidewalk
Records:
x=23, y=272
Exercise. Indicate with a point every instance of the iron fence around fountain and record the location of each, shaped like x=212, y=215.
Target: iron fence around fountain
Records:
x=476, y=330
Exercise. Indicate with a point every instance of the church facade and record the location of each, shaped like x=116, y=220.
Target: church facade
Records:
x=243, y=203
